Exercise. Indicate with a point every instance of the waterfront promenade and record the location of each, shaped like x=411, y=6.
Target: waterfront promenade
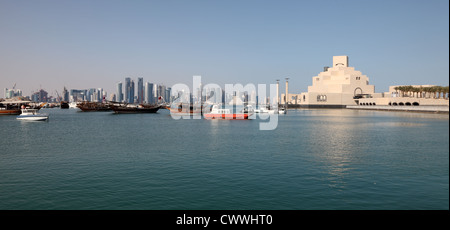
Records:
x=431, y=109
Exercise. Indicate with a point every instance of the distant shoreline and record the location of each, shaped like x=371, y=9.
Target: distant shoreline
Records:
x=422, y=109
x=437, y=109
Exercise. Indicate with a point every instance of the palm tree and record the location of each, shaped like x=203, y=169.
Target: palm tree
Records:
x=410, y=89
x=427, y=91
x=396, y=90
x=417, y=91
x=433, y=91
x=439, y=90
x=402, y=90
x=446, y=91
x=443, y=90
x=421, y=92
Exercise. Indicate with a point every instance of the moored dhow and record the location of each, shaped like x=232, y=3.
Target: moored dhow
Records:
x=13, y=106
x=9, y=110
x=64, y=105
x=87, y=106
x=133, y=108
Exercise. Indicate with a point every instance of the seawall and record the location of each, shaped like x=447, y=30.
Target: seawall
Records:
x=425, y=108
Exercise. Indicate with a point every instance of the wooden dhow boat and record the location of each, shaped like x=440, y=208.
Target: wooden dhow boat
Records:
x=133, y=108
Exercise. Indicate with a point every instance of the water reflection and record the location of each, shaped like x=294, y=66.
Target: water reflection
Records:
x=371, y=113
x=341, y=140
x=338, y=143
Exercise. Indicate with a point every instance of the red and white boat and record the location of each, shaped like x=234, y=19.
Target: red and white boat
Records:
x=217, y=112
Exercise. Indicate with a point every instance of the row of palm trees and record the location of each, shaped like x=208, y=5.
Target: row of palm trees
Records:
x=422, y=92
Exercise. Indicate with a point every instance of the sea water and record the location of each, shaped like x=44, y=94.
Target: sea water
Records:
x=316, y=159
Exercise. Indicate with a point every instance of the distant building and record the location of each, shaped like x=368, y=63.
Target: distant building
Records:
x=168, y=95
x=65, y=95
x=149, y=93
x=161, y=93
x=112, y=97
x=78, y=95
x=129, y=90
x=40, y=96
x=341, y=86
x=415, y=96
x=140, y=90
x=10, y=93
x=127, y=87
x=336, y=86
x=212, y=95
x=131, y=96
x=104, y=95
x=119, y=95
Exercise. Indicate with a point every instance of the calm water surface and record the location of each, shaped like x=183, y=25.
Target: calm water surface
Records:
x=315, y=159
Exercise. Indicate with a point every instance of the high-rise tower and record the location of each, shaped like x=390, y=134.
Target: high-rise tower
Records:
x=140, y=90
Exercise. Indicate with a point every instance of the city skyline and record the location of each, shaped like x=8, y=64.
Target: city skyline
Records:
x=147, y=92
x=83, y=44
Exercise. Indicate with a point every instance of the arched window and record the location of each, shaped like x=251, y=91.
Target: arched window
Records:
x=357, y=91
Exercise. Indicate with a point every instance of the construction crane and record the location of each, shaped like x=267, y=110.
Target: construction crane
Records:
x=58, y=98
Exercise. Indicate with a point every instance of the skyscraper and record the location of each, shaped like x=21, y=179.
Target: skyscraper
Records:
x=131, y=92
x=167, y=95
x=119, y=95
x=161, y=93
x=149, y=93
x=65, y=96
x=140, y=90
x=127, y=89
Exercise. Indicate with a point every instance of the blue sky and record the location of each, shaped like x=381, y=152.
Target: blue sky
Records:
x=94, y=44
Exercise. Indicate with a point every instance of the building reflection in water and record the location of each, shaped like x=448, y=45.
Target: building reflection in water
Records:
x=339, y=143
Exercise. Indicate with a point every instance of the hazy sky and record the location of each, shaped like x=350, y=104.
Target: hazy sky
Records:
x=95, y=43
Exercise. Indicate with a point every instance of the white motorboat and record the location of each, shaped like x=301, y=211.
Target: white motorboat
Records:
x=281, y=111
x=32, y=115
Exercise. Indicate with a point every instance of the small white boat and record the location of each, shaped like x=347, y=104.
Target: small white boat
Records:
x=217, y=112
x=32, y=115
x=281, y=111
x=263, y=109
x=73, y=105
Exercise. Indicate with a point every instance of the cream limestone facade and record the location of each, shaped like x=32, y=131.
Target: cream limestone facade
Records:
x=340, y=86
x=396, y=98
x=337, y=86
x=293, y=99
